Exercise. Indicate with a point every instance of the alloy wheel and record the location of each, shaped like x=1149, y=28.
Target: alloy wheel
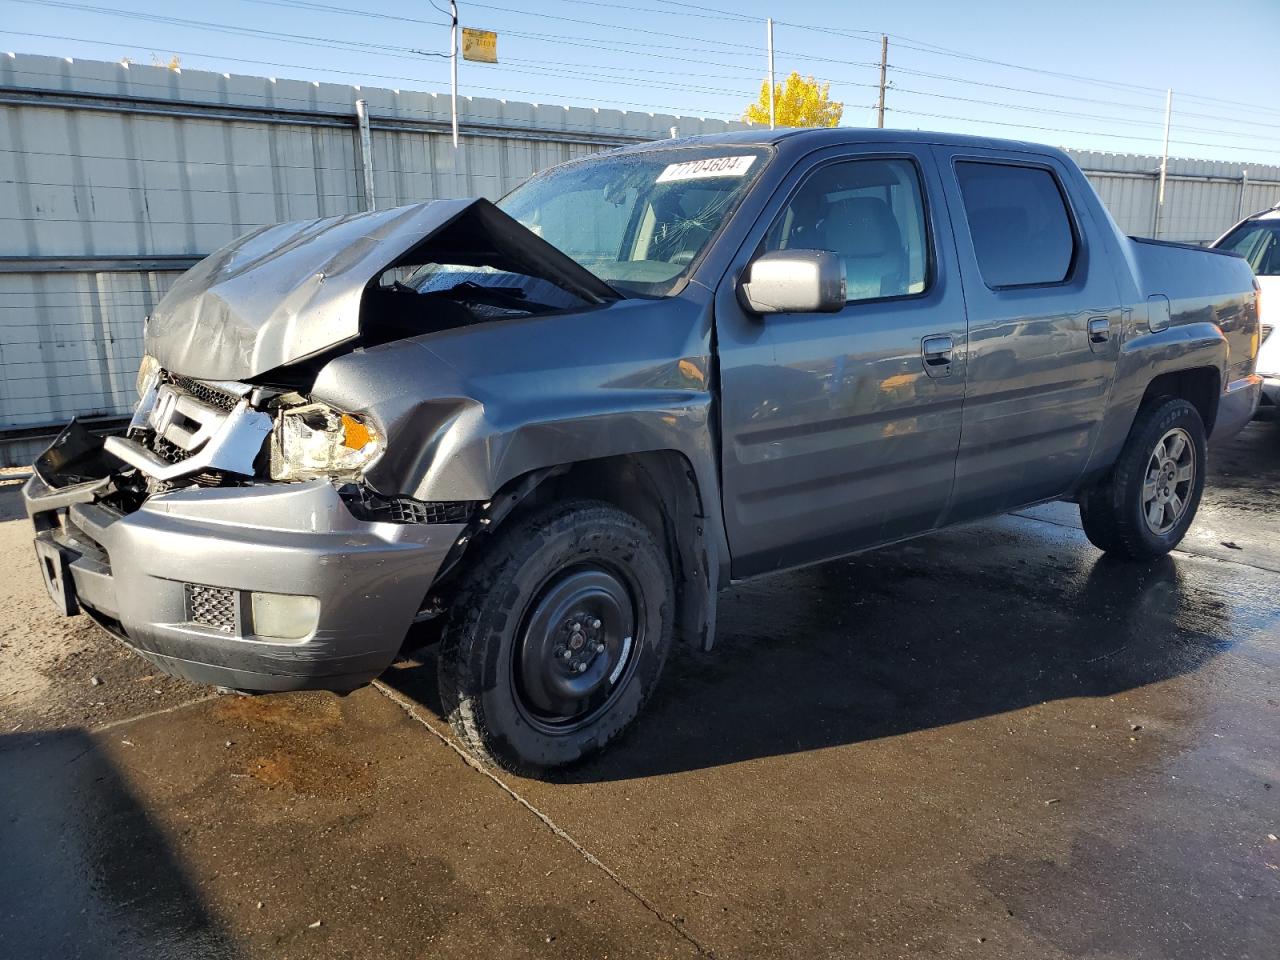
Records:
x=1167, y=485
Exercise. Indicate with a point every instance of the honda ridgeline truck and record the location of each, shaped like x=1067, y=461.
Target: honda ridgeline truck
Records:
x=553, y=427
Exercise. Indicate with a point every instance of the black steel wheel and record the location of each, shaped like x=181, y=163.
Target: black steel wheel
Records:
x=575, y=647
x=557, y=637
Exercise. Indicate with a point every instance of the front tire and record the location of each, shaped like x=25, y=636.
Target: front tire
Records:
x=557, y=636
x=1144, y=508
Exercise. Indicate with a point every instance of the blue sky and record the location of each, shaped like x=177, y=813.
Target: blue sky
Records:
x=1016, y=68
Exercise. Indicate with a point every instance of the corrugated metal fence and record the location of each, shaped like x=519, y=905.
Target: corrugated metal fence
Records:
x=114, y=179
x=1202, y=197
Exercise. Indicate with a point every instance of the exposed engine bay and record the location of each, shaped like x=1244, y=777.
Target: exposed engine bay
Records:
x=236, y=345
x=296, y=294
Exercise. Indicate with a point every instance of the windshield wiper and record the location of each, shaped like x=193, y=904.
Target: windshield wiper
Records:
x=504, y=298
x=470, y=286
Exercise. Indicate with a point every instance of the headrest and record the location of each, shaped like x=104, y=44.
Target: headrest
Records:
x=861, y=227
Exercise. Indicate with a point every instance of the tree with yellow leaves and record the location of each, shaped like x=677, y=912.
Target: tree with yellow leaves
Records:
x=797, y=102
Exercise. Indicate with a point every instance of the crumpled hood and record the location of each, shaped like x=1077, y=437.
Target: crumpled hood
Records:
x=286, y=292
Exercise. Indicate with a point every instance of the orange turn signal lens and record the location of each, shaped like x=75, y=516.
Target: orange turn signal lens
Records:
x=355, y=435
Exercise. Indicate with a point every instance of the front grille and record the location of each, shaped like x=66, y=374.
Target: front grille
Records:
x=367, y=505
x=212, y=606
x=1266, y=332
x=167, y=450
x=205, y=393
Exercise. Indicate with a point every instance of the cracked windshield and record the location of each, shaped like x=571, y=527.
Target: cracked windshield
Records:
x=637, y=221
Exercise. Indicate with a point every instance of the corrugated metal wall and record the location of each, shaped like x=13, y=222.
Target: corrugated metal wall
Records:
x=1202, y=197
x=114, y=179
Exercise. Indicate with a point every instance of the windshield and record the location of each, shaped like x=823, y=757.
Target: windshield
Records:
x=637, y=220
x=1258, y=241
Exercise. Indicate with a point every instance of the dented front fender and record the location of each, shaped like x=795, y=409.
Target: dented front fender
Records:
x=467, y=410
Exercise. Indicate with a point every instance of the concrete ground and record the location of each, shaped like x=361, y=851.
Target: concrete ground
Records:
x=993, y=742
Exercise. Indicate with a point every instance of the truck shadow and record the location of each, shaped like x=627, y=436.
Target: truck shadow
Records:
x=973, y=622
x=85, y=871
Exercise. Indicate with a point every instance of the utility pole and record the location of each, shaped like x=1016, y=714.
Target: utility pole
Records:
x=1164, y=163
x=366, y=153
x=453, y=68
x=884, y=64
x=771, y=104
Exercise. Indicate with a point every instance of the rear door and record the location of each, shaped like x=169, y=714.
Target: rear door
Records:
x=1044, y=328
x=840, y=430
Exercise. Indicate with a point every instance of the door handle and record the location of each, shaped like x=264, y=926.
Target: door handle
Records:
x=936, y=353
x=1099, y=330
x=937, y=350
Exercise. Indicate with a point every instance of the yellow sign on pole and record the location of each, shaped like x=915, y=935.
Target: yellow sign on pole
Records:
x=479, y=45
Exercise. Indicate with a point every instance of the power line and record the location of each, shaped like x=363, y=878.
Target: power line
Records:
x=630, y=71
x=543, y=15
x=1000, y=86
x=708, y=12
x=750, y=50
x=1234, y=103
x=939, y=50
x=388, y=50
x=1082, y=116
x=936, y=50
x=382, y=49
x=569, y=40
x=647, y=106
x=711, y=12
x=873, y=36
x=744, y=17
x=1086, y=133
x=347, y=11
x=628, y=76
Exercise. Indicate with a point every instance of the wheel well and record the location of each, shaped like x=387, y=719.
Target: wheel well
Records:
x=659, y=489
x=1200, y=387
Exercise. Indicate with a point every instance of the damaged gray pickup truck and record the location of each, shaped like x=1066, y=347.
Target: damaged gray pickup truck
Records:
x=550, y=429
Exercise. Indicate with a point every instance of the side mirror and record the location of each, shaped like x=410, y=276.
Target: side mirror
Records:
x=793, y=281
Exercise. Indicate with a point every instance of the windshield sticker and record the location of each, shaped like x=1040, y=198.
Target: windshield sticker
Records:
x=706, y=169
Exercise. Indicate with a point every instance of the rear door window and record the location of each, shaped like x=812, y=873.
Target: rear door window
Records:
x=1019, y=223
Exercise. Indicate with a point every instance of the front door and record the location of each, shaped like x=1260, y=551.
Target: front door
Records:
x=840, y=430
x=1044, y=328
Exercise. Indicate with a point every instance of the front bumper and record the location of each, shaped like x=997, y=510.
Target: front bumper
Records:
x=133, y=574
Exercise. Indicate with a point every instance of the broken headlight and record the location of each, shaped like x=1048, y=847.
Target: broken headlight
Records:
x=317, y=441
x=148, y=372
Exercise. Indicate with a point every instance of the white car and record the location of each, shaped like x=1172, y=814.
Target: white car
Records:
x=1257, y=239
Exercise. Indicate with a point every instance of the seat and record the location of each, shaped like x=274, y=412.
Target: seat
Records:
x=864, y=233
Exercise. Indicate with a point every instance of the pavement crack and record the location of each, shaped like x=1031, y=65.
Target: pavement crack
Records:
x=102, y=728
x=409, y=707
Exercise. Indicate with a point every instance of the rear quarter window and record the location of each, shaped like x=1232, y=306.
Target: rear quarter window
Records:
x=1018, y=220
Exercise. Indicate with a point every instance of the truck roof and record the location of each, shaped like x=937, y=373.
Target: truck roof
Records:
x=813, y=138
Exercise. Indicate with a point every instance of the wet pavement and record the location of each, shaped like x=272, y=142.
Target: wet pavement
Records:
x=992, y=742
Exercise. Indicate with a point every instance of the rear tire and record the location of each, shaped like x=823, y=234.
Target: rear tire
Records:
x=1144, y=508
x=557, y=636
